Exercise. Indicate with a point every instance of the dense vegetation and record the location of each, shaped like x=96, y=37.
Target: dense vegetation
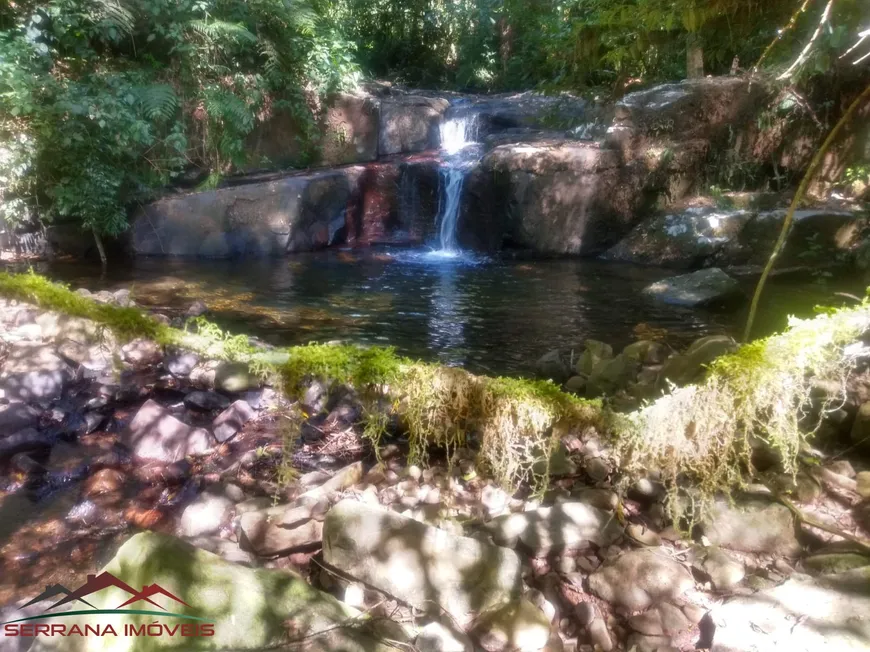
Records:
x=103, y=102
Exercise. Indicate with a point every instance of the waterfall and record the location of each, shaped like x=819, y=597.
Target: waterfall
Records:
x=457, y=135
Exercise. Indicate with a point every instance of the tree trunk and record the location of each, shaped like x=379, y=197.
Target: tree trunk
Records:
x=100, y=247
x=694, y=57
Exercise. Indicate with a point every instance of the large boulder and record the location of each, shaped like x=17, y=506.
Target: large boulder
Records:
x=703, y=289
x=350, y=132
x=818, y=237
x=295, y=213
x=565, y=196
x=249, y=609
x=683, y=240
x=421, y=565
x=827, y=614
x=409, y=123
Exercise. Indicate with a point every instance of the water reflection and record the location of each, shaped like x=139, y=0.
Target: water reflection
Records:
x=494, y=315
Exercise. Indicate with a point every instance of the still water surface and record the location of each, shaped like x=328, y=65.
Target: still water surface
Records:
x=495, y=315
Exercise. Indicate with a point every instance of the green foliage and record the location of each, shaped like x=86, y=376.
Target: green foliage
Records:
x=103, y=102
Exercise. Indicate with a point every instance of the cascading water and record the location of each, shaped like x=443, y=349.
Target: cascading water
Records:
x=458, y=135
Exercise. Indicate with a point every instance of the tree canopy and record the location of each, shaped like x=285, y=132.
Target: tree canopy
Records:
x=103, y=102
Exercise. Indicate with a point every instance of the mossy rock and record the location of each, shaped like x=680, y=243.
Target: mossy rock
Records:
x=249, y=608
x=835, y=562
x=646, y=352
x=594, y=352
x=689, y=367
x=608, y=376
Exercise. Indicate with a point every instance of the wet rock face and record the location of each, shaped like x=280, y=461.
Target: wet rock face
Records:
x=410, y=124
x=419, y=564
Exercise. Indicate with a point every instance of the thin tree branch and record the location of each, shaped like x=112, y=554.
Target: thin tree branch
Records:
x=785, y=30
x=798, y=198
x=805, y=53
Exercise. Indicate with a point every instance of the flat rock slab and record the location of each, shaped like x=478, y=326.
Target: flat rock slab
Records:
x=157, y=435
x=640, y=579
x=757, y=527
x=828, y=614
x=33, y=372
x=421, y=565
x=251, y=609
x=565, y=526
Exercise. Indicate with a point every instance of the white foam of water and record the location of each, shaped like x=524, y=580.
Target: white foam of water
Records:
x=458, y=133
x=452, y=179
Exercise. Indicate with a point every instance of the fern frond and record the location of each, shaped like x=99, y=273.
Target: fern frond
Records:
x=158, y=101
x=217, y=30
x=229, y=109
x=113, y=13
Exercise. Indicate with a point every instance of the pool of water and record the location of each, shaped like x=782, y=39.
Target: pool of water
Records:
x=494, y=315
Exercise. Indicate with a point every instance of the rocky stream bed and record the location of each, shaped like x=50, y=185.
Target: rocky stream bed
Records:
x=278, y=522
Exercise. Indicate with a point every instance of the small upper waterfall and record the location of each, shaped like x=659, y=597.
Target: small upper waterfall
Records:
x=458, y=134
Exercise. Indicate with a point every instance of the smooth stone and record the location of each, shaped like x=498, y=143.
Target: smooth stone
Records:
x=206, y=401
x=225, y=549
x=268, y=540
x=643, y=535
x=519, y=625
x=725, y=572
x=181, y=364
x=861, y=428
x=204, y=515
x=564, y=526
x=231, y=420
x=17, y=416
x=234, y=377
x=662, y=620
x=24, y=441
x=142, y=353
x=435, y=637
x=700, y=289
x=33, y=372
x=639, y=579
x=828, y=563
x=155, y=434
x=599, y=636
x=752, y=527
x=862, y=484
x=419, y=564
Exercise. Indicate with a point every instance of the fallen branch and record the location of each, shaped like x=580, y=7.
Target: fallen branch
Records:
x=813, y=522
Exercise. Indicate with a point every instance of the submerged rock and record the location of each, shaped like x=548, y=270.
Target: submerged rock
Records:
x=421, y=565
x=703, y=289
x=250, y=609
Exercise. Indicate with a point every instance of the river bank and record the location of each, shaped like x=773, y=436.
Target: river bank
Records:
x=113, y=438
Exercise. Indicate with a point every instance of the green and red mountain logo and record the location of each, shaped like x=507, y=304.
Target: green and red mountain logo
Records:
x=149, y=594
